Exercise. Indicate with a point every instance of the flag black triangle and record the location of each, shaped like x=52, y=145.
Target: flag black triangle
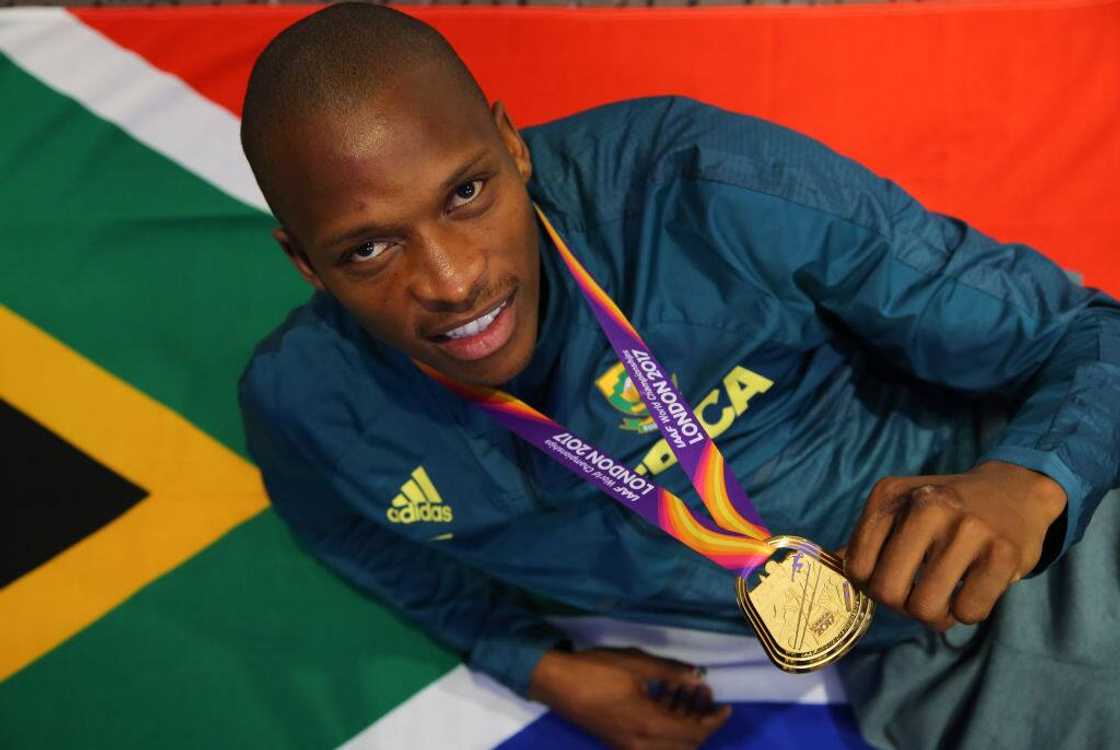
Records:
x=54, y=494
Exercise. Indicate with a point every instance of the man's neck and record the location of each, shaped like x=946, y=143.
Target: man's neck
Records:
x=532, y=384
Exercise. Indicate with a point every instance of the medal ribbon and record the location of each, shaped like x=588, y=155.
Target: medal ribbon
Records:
x=737, y=539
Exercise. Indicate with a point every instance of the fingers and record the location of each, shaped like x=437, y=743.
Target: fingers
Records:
x=654, y=668
x=682, y=700
x=985, y=583
x=931, y=599
x=918, y=530
x=663, y=725
x=715, y=719
x=873, y=528
x=601, y=691
x=678, y=709
x=916, y=550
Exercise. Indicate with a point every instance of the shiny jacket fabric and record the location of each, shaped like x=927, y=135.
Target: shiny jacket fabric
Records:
x=827, y=328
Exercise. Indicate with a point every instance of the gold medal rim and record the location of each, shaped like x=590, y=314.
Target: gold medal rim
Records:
x=789, y=662
x=786, y=660
x=858, y=621
x=795, y=661
x=806, y=663
x=809, y=662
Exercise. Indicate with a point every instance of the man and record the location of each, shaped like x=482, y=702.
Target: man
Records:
x=856, y=358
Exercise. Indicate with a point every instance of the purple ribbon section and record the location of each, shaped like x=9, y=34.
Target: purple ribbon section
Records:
x=671, y=412
x=583, y=459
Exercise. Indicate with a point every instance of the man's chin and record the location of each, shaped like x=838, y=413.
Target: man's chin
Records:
x=497, y=356
x=492, y=371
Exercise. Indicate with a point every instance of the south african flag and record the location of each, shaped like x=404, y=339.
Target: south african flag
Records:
x=148, y=597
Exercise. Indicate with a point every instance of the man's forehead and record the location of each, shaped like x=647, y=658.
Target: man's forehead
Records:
x=418, y=112
x=379, y=157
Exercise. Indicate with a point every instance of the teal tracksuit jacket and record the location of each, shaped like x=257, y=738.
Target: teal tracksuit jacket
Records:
x=828, y=330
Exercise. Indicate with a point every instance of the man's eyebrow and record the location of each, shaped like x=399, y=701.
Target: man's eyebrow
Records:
x=350, y=235
x=367, y=230
x=457, y=176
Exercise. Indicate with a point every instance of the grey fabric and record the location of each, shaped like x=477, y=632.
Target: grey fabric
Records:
x=1042, y=672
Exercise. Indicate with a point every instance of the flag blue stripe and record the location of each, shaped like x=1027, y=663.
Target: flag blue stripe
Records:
x=752, y=725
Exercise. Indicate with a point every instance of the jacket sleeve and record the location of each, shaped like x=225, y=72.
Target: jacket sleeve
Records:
x=954, y=307
x=1003, y=319
x=932, y=295
x=488, y=622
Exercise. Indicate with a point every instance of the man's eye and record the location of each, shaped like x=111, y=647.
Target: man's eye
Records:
x=368, y=251
x=466, y=193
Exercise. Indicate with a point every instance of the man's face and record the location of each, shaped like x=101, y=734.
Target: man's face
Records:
x=413, y=213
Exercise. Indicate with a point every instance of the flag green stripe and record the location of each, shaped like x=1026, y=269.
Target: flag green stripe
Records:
x=131, y=260
x=250, y=644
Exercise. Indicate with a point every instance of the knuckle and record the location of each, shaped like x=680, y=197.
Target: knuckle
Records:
x=927, y=491
x=1003, y=553
x=941, y=624
x=967, y=619
x=941, y=497
x=885, y=489
x=936, y=499
x=885, y=593
x=928, y=609
x=972, y=527
x=857, y=566
x=927, y=510
x=969, y=611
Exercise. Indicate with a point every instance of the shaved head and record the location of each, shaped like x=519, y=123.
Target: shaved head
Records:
x=400, y=191
x=339, y=60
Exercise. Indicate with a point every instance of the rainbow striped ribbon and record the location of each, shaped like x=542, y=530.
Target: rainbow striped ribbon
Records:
x=736, y=540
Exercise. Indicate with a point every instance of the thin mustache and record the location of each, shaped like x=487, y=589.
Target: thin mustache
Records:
x=497, y=292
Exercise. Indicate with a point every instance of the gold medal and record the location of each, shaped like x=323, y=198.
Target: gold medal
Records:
x=806, y=613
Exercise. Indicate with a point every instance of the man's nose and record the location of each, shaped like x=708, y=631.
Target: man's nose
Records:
x=448, y=271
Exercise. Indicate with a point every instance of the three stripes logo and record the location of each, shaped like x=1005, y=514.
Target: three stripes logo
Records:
x=418, y=501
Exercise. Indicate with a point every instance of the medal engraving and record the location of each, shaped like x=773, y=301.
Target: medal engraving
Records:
x=806, y=613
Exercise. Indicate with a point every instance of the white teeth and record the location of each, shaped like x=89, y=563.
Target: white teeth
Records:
x=476, y=326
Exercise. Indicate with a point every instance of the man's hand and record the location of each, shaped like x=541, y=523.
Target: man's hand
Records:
x=628, y=698
x=943, y=549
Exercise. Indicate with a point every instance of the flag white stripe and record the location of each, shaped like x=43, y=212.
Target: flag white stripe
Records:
x=738, y=669
x=154, y=107
x=475, y=712
x=462, y=710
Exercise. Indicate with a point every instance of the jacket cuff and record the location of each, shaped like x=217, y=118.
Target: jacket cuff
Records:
x=1067, y=528
x=510, y=659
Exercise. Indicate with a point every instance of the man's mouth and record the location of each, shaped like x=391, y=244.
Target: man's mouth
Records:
x=478, y=325
x=481, y=336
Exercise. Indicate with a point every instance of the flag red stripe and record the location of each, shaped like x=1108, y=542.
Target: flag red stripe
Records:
x=1003, y=114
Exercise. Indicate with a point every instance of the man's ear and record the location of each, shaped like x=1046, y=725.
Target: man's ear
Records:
x=297, y=257
x=513, y=142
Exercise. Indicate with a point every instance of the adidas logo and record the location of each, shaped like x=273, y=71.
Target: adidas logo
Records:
x=418, y=501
